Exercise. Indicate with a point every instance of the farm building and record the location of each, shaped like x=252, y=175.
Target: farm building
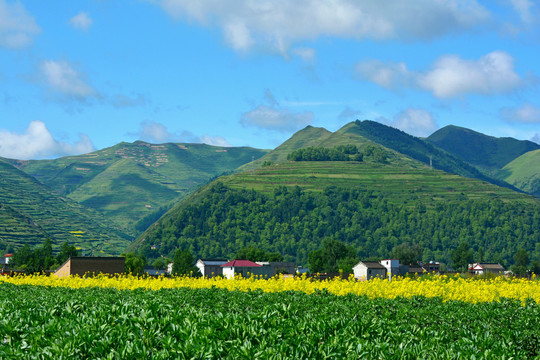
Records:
x=366, y=270
x=243, y=267
x=85, y=265
x=483, y=268
x=272, y=268
x=210, y=267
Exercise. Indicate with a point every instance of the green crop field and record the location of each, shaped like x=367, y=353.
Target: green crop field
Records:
x=91, y=323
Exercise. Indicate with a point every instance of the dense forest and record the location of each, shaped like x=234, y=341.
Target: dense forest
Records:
x=294, y=223
x=347, y=152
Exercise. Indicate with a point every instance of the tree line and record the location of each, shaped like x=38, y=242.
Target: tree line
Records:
x=347, y=152
x=293, y=223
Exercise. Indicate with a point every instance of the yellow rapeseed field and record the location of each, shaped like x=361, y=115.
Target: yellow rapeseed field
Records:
x=446, y=287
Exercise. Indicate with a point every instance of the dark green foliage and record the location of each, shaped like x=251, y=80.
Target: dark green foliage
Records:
x=65, y=252
x=93, y=323
x=332, y=257
x=134, y=263
x=257, y=254
x=34, y=261
x=521, y=261
x=347, y=152
x=407, y=254
x=161, y=263
x=294, y=223
x=462, y=256
x=183, y=263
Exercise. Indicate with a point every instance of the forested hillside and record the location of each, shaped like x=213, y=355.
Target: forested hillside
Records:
x=373, y=207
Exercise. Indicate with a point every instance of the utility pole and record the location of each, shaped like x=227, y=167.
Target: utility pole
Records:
x=430, y=162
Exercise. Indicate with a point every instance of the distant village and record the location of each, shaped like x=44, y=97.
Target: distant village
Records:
x=363, y=270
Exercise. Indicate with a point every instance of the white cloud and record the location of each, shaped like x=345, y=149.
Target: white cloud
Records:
x=526, y=114
x=38, y=143
x=272, y=116
x=306, y=54
x=417, y=122
x=277, y=24
x=214, y=140
x=536, y=138
x=388, y=75
x=524, y=8
x=450, y=76
x=61, y=77
x=124, y=101
x=155, y=132
x=81, y=21
x=348, y=114
x=17, y=27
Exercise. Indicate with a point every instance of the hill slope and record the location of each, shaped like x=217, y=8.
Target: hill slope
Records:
x=524, y=172
x=129, y=181
x=487, y=153
x=30, y=212
x=372, y=206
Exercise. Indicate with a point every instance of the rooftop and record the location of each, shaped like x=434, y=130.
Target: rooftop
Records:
x=241, y=263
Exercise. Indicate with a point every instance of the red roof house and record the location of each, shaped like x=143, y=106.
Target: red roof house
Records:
x=241, y=267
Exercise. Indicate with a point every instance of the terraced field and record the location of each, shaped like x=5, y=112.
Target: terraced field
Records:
x=30, y=212
x=399, y=183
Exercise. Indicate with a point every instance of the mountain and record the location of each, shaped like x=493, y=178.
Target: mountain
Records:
x=30, y=213
x=524, y=172
x=308, y=136
x=371, y=205
x=131, y=181
x=487, y=153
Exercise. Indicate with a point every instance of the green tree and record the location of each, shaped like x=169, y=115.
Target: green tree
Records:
x=161, y=263
x=66, y=251
x=407, y=254
x=327, y=259
x=462, y=256
x=134, y=263
x=183, y=263
x=521, y=260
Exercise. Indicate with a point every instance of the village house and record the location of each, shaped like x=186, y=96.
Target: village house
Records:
x=210, y=267
x=484, y=268
x=366, y=270
x=89, y=265
x=241, y=267
x=272, y=268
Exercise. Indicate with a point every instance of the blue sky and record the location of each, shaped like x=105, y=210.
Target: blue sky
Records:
x=76, y=76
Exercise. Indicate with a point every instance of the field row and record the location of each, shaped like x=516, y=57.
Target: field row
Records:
x=444, y=287
x=97, y=323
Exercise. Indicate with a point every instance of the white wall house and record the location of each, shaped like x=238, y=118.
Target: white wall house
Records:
x=210, y=267
x=392, y=267
x=366, y=270
x=244, y=267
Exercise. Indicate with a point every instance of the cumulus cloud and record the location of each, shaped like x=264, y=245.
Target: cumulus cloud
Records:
x=450, y=76
x=124, y=101
x=536, y=138
x=38, y=143
x=214, y=140
x=277, y=24
x=17, y=26
x=272, y=116
x=61, y=77
x=526, y=114
x=81, y=21
x=155, y=132
x=417, y=122
x=349, y=113
x=386, y=74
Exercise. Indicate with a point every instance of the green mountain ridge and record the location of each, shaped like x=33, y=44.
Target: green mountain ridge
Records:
x=31, y=212
x=287, y=206
x=524, y=172
x=489, y=154
x=129, y=181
